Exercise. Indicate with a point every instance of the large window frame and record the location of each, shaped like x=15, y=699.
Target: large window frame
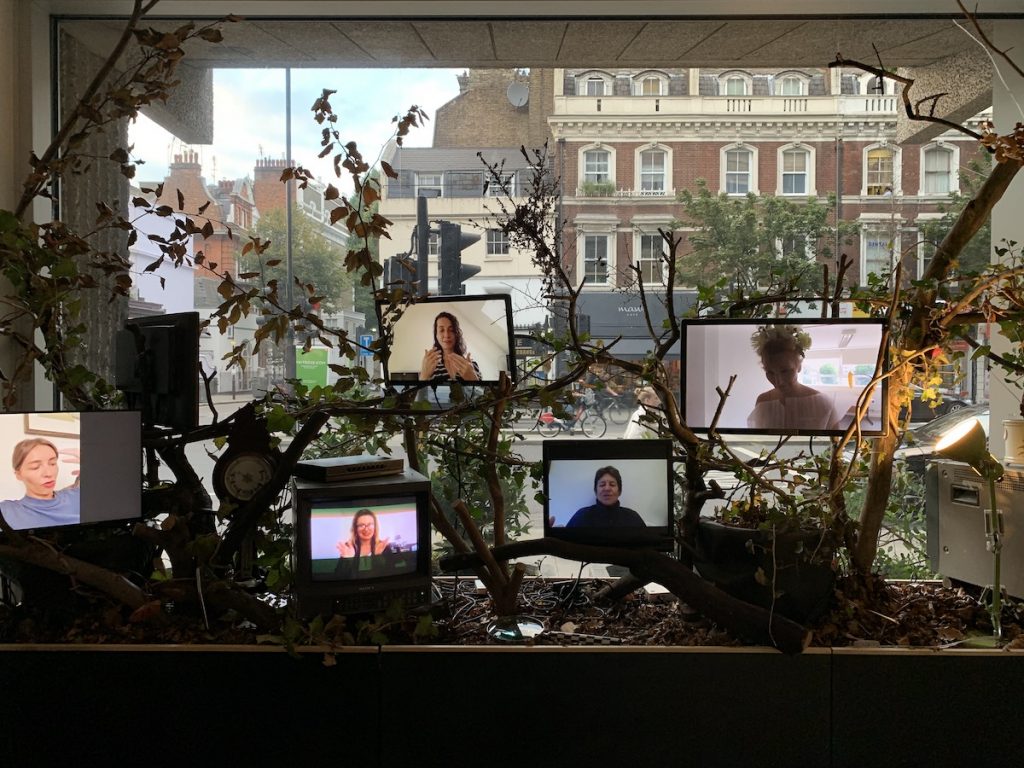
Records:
x=596, y=257
x=650, y=257
x=880, y=244
x=788, y=172
x=650, y=83
x=594, y=83
x=591, y=169
x=732, y=173
x=735, y=83
x=429, y=181
x=497, y=244
x=876, y=180
x=650, y=181
x=928, y=178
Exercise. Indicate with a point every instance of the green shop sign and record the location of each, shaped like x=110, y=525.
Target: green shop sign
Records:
x=311, y=367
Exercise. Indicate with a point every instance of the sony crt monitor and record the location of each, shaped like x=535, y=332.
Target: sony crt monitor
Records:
x=65, y=468
x=361, y=545
x=443, y=339
x=609, y=492
x=792, y=377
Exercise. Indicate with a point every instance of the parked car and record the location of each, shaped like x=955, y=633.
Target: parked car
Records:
x=918, y=447
x=920, y=411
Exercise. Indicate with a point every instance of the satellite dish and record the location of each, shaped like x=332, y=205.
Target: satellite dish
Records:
x=518, y=94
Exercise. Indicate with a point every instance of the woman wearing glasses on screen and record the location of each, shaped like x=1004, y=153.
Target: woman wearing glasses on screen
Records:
x=788, y=404
x=606, y=511
x=447, y=359
x=36, y=465
x=363, y=550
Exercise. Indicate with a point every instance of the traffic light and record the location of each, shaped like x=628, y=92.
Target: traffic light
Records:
x=452, y=271
x=400, y=272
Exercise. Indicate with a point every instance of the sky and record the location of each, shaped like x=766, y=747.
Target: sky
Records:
x=249, y=118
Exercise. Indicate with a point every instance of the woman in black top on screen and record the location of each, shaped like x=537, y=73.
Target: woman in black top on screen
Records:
x=606, y=512
x=447, y=359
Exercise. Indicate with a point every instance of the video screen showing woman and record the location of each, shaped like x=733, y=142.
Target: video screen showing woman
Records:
x=43, y=469
x=367, y=540
x=617, y=498
x=791, y=376
x=50, y=452
x=441, y=341
x=448, y=358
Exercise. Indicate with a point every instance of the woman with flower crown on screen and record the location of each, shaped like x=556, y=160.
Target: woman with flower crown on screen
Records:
x=789, y=404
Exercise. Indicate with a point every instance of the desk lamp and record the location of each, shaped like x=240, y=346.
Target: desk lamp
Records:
x=967, y=443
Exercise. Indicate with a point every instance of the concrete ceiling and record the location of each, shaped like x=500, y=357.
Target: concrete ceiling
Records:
x=656, y=41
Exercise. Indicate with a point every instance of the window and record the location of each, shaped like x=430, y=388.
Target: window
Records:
x=937, y=171
x=791, y=85
x=433, y=244
x=879, y=171
x=649, y=258
x=652, y=171
x=594, y=85
x=737, y=171
x=497, y=243
x=595, y=258
x=877, y=249
x=735, y=86
x=793, y=246
x=649, y=85
x=595, y=165
x=794, y=172
x=429, y=184
x=501, y=185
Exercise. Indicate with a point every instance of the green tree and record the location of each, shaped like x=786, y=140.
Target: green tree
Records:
x=754, y=241
x=315, y=259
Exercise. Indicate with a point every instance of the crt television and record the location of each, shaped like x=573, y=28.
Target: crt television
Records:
x=331, y=574
x=484, y=324
x=838, y=363
x=95, y=475
x=157, y=368
x=581, y=506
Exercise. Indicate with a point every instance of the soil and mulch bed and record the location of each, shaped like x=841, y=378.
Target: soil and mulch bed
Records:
x=898, y=614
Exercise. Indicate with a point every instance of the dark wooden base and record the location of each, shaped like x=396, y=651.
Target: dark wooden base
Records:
x=508, y=706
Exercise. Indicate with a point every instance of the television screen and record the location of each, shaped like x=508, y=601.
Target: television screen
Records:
x=438, y=340
x=63, y=468
x=363, y=538
x=361, y=544
x=610, y=492
x=793, y=377
x=161, y=380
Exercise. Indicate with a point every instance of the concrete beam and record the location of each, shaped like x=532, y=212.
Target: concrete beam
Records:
x=188, y=113
x=965, y=79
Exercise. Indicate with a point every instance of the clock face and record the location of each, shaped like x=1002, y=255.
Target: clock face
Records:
x=245, y=474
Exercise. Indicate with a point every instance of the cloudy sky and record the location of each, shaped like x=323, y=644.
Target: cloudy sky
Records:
x=249, y=117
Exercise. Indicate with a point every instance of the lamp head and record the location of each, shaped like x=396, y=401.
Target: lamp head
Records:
x=968, y=443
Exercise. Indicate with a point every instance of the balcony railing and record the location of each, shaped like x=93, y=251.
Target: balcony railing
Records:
x=672, y=106
x=609, y=190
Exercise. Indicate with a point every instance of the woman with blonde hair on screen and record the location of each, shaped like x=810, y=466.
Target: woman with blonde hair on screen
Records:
x=788, y=404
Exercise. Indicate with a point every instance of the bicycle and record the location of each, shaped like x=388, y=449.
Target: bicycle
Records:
x=591, y=424
x=615, y=408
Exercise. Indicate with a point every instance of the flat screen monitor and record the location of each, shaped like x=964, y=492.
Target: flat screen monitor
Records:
x=793, y=377
x=361, y=544
x=609, y=492
x=63, y=468
x=439, y=340
x=161, y=380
